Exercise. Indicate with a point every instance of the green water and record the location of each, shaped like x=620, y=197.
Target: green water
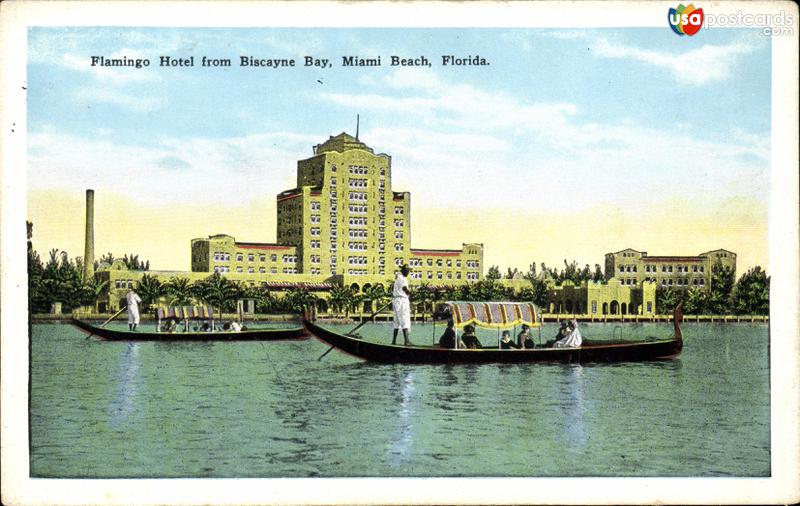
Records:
x=250, y=409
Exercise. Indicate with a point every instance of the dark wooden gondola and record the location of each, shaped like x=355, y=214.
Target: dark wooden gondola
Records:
x=278, y=334
x=589, y=351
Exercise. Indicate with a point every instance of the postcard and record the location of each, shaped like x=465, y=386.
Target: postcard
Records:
x=400, y=253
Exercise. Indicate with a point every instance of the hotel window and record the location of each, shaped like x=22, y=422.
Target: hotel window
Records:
x=449, y=275
x=273, y=270
x=251, y=257
x=594, y=306
x=273, y=258
x=458, y=275
x=398, y=247
x=430, y=275
x=314, y=231
x=621, y=268
x=702, y=281
x=438, y=262
x=251, y=270
x=262, y=270
x=262, y=258
x=669, y=282
x=239, y=269
x=458, y=263
x=239, y=257
x=314, y=218
x=398, y=210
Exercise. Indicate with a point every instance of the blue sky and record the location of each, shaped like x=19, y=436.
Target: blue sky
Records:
x=562, y=118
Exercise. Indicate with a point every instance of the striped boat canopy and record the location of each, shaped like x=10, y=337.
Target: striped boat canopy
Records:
x=185, y=312
x=493, y=314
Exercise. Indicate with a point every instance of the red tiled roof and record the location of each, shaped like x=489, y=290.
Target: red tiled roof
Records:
x=436, y=252
x=261, y=245
x=673, y=259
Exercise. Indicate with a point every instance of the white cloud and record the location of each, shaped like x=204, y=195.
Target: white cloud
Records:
x=225, y=170
x=459, y=143
x=121, y=99
x=703, y=65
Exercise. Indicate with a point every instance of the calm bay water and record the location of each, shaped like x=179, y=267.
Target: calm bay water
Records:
x=106, y=409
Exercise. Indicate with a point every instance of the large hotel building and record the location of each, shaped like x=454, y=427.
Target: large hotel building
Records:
x=344, y=225
x=341, y=221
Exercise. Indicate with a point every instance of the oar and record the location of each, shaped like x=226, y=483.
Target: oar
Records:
x=107, y=321
x=364, y=322
x=357, y=327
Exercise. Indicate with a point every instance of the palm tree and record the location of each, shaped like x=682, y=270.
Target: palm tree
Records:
x=299, y=300
x=216, y=291
x=666, y=300
x=91, y=290
x=341, y=298
x=179, y=291
x=696, y=301
x=150, y=289
x=377, y=294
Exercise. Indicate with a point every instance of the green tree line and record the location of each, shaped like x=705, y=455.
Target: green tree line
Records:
x=59, y=279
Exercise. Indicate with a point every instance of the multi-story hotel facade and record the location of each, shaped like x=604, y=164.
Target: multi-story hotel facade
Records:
x=633, y=268
x=344, y=225
x=341, y=223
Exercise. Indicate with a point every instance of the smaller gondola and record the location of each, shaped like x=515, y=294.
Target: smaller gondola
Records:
x=261, y=334
x=503, y=315
x=176, y=319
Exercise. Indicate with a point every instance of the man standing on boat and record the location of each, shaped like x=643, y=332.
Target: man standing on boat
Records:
x=133, y=309
x=401, y=305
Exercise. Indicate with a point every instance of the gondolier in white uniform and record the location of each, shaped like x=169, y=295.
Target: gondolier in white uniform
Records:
x=133, y=309
x=401, y=305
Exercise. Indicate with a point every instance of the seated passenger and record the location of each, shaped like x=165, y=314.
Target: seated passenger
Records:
x=448, y=339
x=573, y=338
x=524, y=339
x=469, y=339
x=563, y=331
x=170, y=325
x=506, y=343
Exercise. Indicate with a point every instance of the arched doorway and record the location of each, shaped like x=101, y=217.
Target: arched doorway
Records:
x=624, y=308
x=322, y=305
x=614, y=307
x=367, y=286
x=605, y=307
x=354, y=287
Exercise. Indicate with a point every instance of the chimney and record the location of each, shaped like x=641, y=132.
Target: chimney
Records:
x=88, y=250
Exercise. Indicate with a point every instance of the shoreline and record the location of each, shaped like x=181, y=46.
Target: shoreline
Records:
x=546, y=318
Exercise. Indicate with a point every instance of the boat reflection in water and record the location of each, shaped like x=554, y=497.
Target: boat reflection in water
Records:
x=575, y=410
x=403, y=437
x=129, y=381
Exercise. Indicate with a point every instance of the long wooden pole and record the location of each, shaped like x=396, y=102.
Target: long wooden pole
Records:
x=358, y=327
x=107, y=321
